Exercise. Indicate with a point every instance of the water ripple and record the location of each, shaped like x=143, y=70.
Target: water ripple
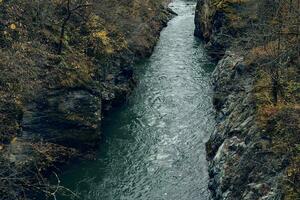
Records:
x=154, y=148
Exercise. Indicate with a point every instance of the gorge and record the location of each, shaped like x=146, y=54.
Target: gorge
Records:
x=154, y=99
x=154, y=146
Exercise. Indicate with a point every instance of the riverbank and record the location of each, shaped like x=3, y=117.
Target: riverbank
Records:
x=153, y=147
x=254, y=151
x=63, y=65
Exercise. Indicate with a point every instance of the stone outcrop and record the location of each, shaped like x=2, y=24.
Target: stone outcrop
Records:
x=61, y=98
x=244, y=161
x=240, y=164
x=51, y=102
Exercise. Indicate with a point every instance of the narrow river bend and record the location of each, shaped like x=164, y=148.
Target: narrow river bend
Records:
x=153, y=147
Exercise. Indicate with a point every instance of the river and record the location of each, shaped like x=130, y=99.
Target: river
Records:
x=153, y=147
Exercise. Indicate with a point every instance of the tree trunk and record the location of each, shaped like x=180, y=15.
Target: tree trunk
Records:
x=62, y=33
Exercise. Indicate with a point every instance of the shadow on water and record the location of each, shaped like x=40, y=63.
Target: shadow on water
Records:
x=153, y=147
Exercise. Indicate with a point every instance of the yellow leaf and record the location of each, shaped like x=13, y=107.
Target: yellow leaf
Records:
x=13, y=140
x=103, y=36
x=12, y=26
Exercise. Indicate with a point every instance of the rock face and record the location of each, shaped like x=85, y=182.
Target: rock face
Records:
x=69, y=118
x=208, y=25
x=57, y=98
x=240, y=164
x=61, y=96
x=70, y=113
x=244, y=162
x=220, y=23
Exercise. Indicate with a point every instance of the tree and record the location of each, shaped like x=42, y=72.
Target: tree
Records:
x=279, y=28
x=70, y=10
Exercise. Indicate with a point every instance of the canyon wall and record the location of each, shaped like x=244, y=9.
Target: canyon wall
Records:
x=64, y=64
x=253, y=152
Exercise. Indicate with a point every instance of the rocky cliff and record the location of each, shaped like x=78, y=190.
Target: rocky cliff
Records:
x=254, y=150
x=63, y=65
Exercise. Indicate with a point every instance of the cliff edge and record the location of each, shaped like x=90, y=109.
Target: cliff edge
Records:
x=254, y=150
x=63, y=65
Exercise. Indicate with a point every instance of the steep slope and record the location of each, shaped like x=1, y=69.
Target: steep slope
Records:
x=63, y=64
x=254, y=151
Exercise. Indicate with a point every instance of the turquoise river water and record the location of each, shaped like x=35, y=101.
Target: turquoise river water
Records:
x=153, y=147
